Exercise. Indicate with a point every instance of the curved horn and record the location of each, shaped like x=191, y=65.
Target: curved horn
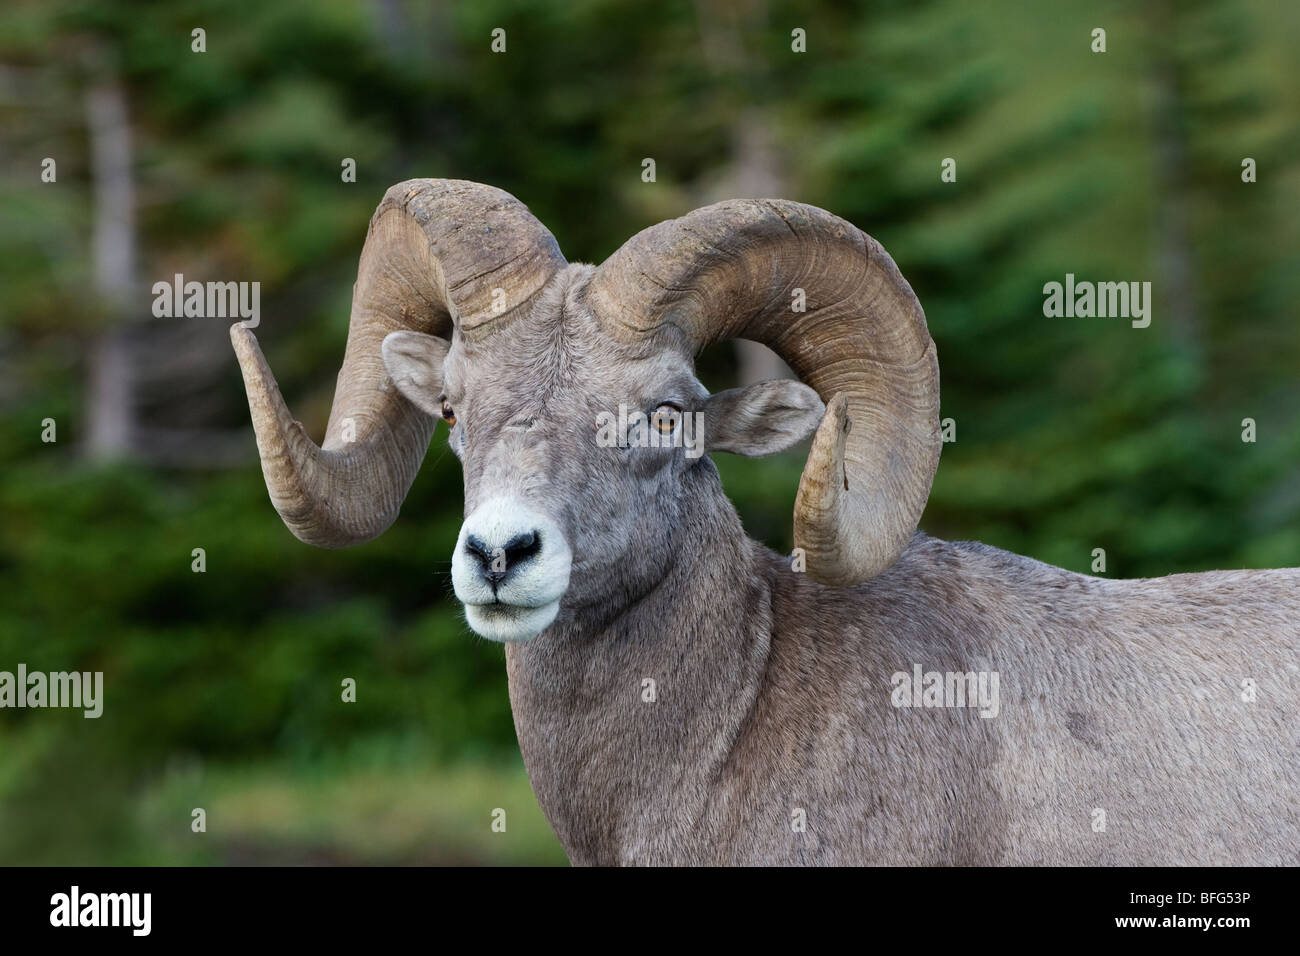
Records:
x=734, y=270
x=436, y=252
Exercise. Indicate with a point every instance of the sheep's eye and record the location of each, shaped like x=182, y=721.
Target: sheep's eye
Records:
x=665, y=418
x=448, y=415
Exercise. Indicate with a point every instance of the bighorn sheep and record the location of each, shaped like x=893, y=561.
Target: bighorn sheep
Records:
x=1139, y=722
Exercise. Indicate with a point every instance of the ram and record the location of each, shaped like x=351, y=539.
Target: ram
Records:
x=682, y=694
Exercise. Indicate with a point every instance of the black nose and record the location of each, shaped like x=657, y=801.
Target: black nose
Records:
x=496, y=563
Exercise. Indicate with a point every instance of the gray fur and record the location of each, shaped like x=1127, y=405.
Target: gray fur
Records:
x=774, y=692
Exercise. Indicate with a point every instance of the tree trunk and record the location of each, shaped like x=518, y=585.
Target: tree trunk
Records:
x=754, y=169
x=1174, y=260
x=109, y=405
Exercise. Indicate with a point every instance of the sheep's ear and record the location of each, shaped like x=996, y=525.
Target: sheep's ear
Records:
x=761, y=419
x=414, y=363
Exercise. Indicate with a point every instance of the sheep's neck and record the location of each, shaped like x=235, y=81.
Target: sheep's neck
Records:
x=623, y=726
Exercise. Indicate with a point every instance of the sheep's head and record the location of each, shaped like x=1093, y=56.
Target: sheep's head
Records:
x=573, y=401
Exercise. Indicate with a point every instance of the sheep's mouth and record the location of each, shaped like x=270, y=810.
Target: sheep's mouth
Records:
x=500, y=621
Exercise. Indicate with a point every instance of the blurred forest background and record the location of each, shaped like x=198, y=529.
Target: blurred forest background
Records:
x=222, y=688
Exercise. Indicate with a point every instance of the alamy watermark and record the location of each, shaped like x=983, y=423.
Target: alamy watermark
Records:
x=130, y=910
x=973, y=689
x=1103, y=300
x=665, y=427
x=55, y=689
x=208, y=300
